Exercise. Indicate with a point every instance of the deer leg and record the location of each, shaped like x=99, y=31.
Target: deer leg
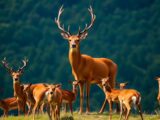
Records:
x=70, y=105
x=110, y=109
x=34, y=109
x=128, y=110
x=104, y=103
x=19, y=107
x=81, y=86
x=121, y=109
x=87, y=95
x=140, y=110
x=65, y=107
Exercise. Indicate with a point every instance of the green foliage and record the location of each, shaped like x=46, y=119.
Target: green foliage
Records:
x=125, y=31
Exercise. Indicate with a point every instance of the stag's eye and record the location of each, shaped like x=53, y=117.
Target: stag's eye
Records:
x=51, y=93
x=77, y=40
x=69, y=40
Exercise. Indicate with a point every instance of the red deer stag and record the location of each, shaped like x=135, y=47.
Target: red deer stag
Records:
x=18, y=88
x=85, y=68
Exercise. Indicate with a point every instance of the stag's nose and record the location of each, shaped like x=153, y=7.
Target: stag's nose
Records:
x=16, y=79
x=73, y=46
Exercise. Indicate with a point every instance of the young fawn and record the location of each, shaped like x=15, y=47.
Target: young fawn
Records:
x=68, y=97
x=126, y=97
x=18, y=88
x=54, y=96
x=8, y=104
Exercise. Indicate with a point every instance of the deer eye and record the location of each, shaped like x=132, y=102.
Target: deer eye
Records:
x=69, y=40
x=51, y=93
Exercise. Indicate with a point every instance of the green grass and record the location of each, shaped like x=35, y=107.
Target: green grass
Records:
x=92, y=116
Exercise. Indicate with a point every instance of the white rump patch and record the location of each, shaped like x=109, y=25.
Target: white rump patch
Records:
x=134, y=99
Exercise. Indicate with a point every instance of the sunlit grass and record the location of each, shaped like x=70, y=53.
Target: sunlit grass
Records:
x=92, y=116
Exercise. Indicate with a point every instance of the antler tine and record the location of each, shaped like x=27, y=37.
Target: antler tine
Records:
x=5, y=64
x=93, y=17
x=57, y=21
x=25, y=61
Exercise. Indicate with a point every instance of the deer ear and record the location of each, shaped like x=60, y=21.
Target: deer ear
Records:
x=64, y=35
x=83, y=35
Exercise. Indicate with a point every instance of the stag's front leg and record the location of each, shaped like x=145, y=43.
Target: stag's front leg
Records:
x=81, y=87
x=87, y=95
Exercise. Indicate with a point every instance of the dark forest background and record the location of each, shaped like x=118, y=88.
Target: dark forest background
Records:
x=126, y=31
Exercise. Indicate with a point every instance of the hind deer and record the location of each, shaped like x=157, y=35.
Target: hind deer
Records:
x=8, y=104
x=126, y=98
x=86, y=69
x=18, y=88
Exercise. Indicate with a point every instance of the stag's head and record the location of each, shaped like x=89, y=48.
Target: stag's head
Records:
x=74, y=40
x=15, y=74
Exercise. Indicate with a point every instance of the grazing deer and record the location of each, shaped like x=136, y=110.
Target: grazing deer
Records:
x=54, y=95
x=122, y=85
x=158, y=97
x=69, y=97
x=126, y=97
x=85, y=68
x=8, y=104
x=18, y=88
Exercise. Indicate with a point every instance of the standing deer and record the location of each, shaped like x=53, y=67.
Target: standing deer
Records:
x=85, y=68
x=68, y=97
x=158, y=97
x=54, y=96
x=18, y=88
x=126, y=98
x=8, y=104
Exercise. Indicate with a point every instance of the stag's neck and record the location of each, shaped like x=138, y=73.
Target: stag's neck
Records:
x=74, y=58
x=17, y=88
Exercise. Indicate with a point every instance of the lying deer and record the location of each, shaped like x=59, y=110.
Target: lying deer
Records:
x=126, y=97
x=18, y=88
x=8, y=104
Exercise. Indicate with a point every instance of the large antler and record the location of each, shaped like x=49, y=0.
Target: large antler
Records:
x=5, y=64
x=57, y=20
x=25, y=61
x=93, y=17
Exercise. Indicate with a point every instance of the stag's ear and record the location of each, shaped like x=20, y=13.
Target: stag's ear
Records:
x=64, y=35
x=83, y=35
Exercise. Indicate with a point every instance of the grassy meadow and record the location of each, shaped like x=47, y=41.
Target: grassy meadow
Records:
x=92, y=116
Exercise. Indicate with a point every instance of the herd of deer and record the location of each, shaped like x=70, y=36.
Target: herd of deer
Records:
x=86, y=71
